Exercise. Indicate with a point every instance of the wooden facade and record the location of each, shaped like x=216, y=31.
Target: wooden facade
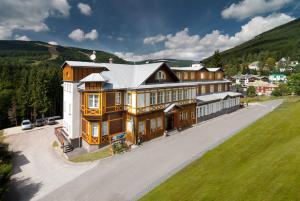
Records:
x=141, y=113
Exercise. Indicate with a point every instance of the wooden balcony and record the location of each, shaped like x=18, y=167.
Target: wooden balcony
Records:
x=90, y=111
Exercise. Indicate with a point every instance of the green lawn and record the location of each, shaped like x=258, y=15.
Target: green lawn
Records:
x=92, y=156
x=261, y=98
x=261, y=163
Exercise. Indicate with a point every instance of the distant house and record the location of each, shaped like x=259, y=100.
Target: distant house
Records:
x=244, y=80
x=254, y=65
x=263, y=88
x=277, y=77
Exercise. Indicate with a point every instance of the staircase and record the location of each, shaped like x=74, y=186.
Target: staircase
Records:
x=67, y=148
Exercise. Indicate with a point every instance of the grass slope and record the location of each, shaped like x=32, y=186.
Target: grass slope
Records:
x=92, y=156
x=281, y=41
x=262, y=162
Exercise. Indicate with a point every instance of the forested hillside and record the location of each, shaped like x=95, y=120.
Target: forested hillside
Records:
x=30, y=78
x=282, y=41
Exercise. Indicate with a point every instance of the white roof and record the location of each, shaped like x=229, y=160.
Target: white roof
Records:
x=260, y=83
x=94, y=77
x=169, y=107
x=190, y=68
x=217, y=96
x=83, y=64
x=128, y=76
x=213, y=69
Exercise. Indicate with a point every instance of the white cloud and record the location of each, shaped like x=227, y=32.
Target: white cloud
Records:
x=78, y=35
x=85, y=9
x=52, y=43
x=120, y=39
x=29, y=15
x=23, y=38
x=155, y=39
x=250, y=8
x=182, y=45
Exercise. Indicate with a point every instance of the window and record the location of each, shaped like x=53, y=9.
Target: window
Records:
x=203, y=89
x=202, y=76
x=160, y=75
x=185, y=94
x=160, y=98
x=128, y=99
x=65, y=106
x=180, y=94
x=118, y=98
x=192, y=75
x=95, y=129
x=159, y=122
x=219, y=87
x=168, y=96
x=93, y=101
x=142, y=127
x=183, y=116
x=178, y=75
x=153, y=124
x=185, y=75
x=104, y=130
x=226, y=87
x=212, y=88
x=210, y=76
x=219, y=76
x=152, y=98
x=174, y=95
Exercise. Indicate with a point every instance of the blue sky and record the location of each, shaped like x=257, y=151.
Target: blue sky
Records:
x=140, y=29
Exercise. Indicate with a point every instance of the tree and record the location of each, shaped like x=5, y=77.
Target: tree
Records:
x=251, y=92
x=216, y=60
x=270, y=63
x=281, y=90
x=294, y=83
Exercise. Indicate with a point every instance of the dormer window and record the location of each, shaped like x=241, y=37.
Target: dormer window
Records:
x=160, y=75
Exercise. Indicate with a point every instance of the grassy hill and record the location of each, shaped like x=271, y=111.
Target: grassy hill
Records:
x=259, y=163
x=282, y=41
x=34, y=52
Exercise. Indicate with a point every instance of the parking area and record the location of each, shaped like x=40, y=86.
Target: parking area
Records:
x=38, y=167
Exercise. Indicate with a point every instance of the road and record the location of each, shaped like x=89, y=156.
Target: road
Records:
x=131, y=175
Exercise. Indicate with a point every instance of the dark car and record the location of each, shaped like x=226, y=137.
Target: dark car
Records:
x=51, y=121
x=39, y=122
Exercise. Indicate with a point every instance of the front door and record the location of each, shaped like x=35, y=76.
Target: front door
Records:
x=169, y=121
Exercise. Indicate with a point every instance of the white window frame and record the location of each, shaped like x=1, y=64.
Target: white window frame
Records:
x=118, y=98
x=93, y=104
x=152, y=98
x=142, y=127
x=104, y=128
x=160, y=75
x=95, y=129
x=160, y=97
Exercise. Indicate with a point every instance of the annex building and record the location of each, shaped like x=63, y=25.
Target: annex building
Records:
x=103, y=100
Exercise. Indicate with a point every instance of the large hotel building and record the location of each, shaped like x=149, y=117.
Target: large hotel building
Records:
x=102, y=100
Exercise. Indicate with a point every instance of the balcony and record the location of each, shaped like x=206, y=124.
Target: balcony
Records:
x=86, y=111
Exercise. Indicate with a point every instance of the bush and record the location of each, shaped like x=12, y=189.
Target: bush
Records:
x=251, y=92
x=119, y=147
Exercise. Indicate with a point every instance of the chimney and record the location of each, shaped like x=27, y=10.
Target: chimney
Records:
x=111, y=60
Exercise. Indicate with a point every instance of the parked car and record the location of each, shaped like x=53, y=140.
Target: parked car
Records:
x=26, y=124
x=51, y=121
x=39, y=122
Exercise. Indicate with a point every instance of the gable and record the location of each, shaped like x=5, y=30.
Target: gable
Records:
x=169, y=75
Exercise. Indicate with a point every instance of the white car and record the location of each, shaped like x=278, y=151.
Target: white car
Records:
x=26, y=124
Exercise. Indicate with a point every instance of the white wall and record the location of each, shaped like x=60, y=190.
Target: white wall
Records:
x=71, y=118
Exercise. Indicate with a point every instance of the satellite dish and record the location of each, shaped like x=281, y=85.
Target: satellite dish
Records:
x=93, y=56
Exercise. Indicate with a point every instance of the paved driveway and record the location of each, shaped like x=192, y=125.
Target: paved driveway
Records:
x=38, y=168
x=129, y=176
